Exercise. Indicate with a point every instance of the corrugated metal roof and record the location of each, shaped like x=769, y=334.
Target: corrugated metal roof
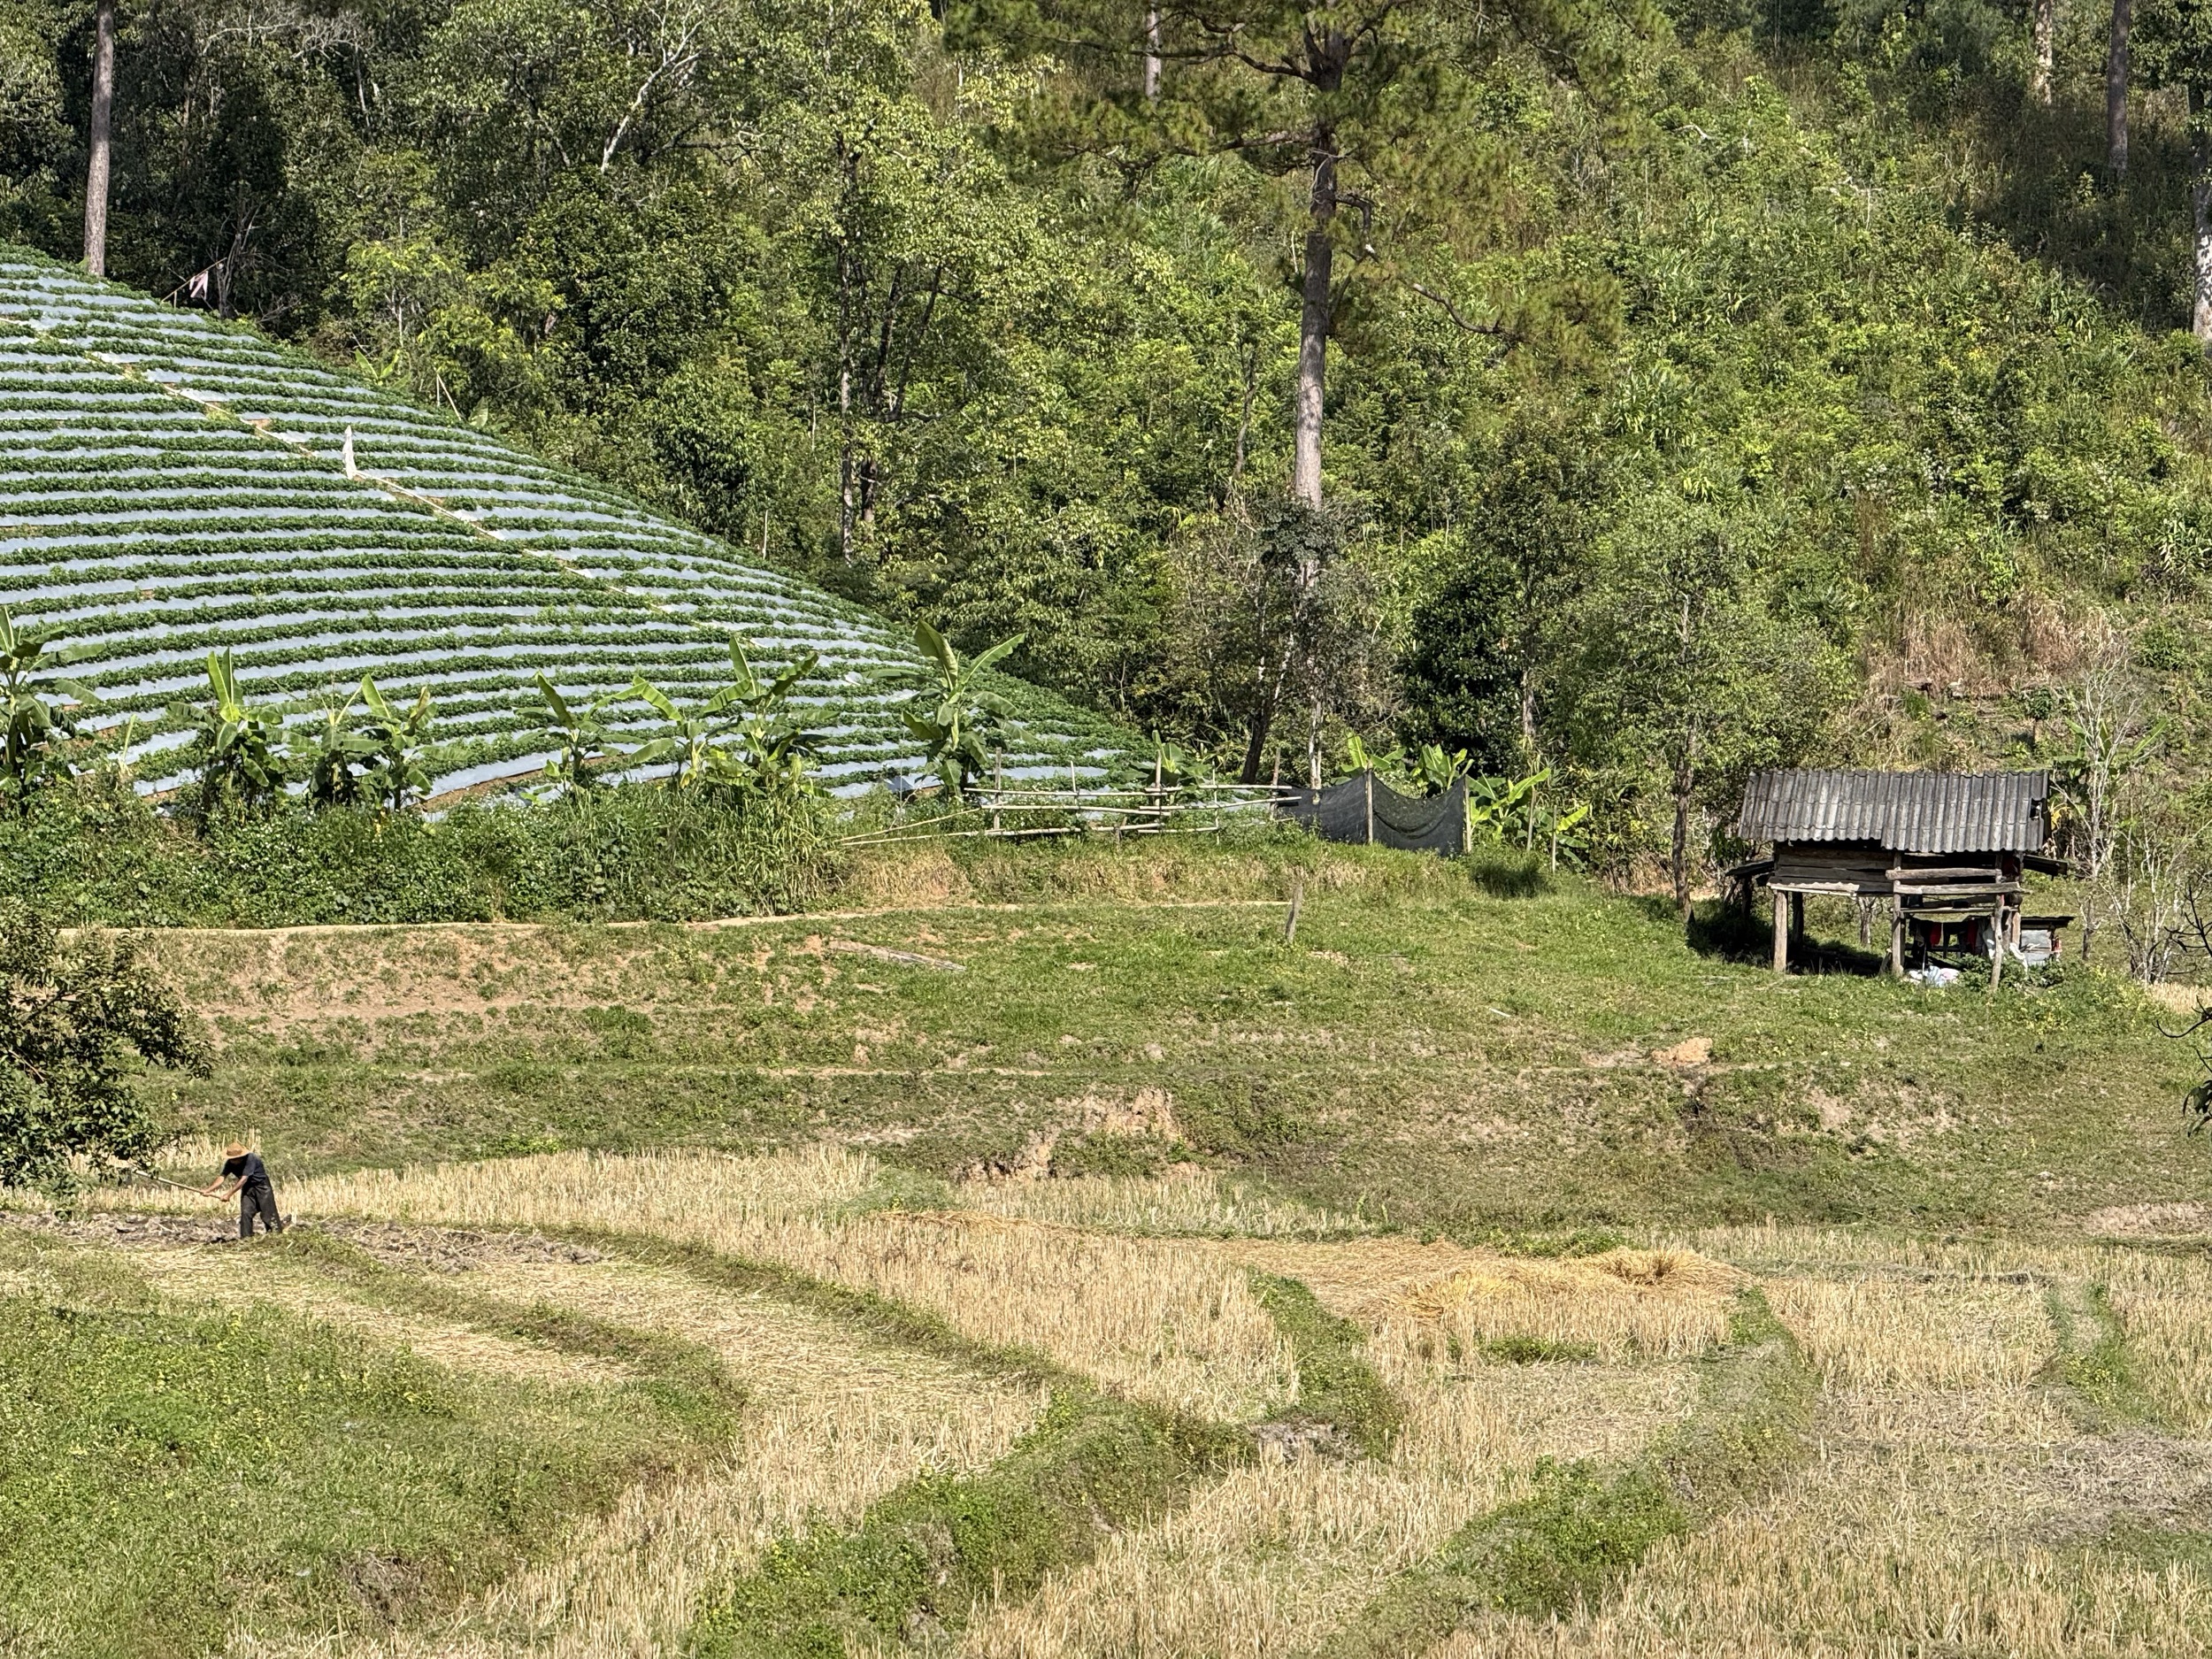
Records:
x=1902, y=811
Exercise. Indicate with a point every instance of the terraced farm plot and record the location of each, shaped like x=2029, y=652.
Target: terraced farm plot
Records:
x=171, y=485
x=1969, y=1481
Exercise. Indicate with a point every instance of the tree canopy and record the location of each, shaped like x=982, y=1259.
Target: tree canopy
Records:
x=1028, y=318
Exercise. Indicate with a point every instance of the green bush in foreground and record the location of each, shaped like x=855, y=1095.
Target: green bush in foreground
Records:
x=67, y=1020
x=89, y=852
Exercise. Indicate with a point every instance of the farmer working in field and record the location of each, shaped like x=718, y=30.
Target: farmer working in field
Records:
x=250, y=1178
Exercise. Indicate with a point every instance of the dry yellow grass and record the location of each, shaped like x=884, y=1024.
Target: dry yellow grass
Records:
x=1941, y=1545
x=1659, y=1303
x=1150, y=1317
x=662, y=1192
x=232, y=1278
x=1271, y=1558
x=1926, y=1333
x=1184, y=1200
x=2165, y=1305
x=1824, y=1252
x=831, y=1423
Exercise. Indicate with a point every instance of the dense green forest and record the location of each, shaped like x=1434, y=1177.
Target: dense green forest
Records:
x=1644, y=392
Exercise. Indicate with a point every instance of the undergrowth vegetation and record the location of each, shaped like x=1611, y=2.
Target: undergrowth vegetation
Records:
x=88, y=851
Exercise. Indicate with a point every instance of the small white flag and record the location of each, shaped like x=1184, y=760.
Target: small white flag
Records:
x=346, y=455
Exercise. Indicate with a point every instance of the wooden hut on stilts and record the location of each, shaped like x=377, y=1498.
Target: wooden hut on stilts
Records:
x=1947, y=851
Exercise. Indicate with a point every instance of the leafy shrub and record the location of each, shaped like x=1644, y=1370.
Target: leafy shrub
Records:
x=90, y=852
x=66, y=1017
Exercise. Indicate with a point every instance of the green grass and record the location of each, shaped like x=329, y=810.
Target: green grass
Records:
x=1445, y=1058
x=2092, y=1363
x=1337, y=1389
x=168, y=1474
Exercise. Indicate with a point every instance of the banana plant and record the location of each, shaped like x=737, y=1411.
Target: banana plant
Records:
x=331, y=756
x=955, y=716
x=580, y=733
x=396, y=738
x=235, y=747
x=35, y=723
x=689, y=740
x=1494, y=803
x=1568, y=837
x=1175, y=767
x=1436, y=771
x=775, y=752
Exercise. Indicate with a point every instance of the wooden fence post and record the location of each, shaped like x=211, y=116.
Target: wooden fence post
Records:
x=1782, y=932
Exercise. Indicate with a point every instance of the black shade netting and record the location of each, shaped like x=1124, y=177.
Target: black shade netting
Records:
x=1361, y=809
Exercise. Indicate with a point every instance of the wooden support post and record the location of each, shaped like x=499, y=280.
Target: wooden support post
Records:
x=1896, y=940
x=1797, y=917
x=1997, y=931
x=1782, y=932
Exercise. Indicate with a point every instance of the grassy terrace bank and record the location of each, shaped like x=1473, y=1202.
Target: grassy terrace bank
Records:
x=1476, y=1050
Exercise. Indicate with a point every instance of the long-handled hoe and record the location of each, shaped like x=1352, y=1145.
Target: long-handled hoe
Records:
x=165, y=1180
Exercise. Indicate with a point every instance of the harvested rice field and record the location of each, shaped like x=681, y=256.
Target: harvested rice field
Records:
x=1954, y=1448
x=1145, y=1291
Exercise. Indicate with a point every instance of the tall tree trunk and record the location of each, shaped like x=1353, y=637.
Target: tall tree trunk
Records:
x=2040, y=77
x=847, y=482
x=2116, y=88
x=1313, y=326
x=96, y=179
x=2201, y=215
x=1152, y=54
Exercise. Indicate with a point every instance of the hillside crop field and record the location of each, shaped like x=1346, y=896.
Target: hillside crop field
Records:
x=1040, y=1255
x=172, y=488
